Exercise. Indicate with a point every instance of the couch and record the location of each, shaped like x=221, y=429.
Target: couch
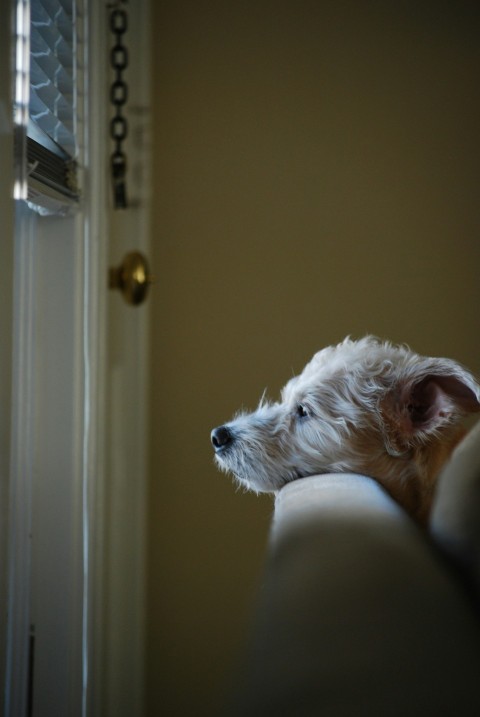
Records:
x=362, y=612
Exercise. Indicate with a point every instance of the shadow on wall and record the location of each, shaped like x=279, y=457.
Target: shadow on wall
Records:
x=316, y=174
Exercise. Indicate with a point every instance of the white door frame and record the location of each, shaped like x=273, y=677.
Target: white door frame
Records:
x=103, y=622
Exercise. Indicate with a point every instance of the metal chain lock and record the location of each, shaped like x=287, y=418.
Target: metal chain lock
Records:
x=118, y=98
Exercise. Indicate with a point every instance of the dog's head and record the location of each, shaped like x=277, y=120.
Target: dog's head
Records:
x=363, y=406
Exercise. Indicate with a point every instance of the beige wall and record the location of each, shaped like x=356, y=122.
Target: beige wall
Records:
x=316, y=171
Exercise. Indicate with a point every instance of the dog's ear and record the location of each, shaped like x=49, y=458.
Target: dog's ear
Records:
x=430, y=395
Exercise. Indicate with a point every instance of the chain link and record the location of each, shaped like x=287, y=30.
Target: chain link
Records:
x=118, y=98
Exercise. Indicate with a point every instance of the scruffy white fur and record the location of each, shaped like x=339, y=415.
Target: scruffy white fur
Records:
x=362, y=406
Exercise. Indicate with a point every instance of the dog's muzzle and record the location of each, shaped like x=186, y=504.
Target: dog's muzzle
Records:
x=221, y=438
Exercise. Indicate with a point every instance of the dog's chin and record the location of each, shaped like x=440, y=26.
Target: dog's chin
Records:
x=252, y=483
x=251, y=480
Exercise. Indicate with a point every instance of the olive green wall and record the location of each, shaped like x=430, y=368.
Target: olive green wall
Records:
x=316, y=174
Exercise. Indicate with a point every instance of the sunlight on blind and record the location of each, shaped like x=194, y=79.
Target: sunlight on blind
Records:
x=53, y=51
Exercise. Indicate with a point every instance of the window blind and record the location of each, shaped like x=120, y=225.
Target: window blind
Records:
x=52, y=135
x=53, y=49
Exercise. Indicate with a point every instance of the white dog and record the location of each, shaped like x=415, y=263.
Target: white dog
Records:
x=363, y=406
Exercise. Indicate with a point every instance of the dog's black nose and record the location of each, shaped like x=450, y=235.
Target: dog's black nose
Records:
x=221, y=437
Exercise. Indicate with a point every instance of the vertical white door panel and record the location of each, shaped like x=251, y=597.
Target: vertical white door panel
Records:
x=57, y=577
x=47, y=572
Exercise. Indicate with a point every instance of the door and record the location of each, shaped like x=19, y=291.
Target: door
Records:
x=74, y=637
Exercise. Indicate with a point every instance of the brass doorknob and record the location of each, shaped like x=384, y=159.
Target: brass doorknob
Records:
x=132, y=278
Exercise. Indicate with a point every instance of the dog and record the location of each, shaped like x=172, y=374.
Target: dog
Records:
x=365, y=406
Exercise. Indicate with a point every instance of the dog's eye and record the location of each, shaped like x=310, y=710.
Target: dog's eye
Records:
x=302, y=412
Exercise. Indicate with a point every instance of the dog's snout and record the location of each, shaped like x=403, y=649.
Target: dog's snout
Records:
x=221, y=437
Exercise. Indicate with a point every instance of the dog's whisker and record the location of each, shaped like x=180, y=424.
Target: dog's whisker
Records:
x=263, y=402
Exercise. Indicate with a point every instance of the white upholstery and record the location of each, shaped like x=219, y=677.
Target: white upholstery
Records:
x=334, y=495
x=359, y=614
x=455, y=519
